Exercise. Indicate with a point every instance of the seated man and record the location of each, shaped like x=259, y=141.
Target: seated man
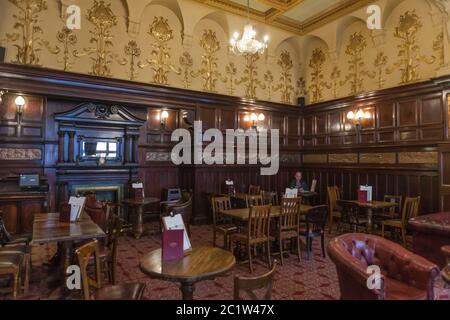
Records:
x=298, y=183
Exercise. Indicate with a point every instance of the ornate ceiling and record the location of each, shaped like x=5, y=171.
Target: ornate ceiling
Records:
x=298, y=16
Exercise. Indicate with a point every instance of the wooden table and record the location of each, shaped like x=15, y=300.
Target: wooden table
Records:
x=202, y=263
x=370, y=206
x=48, y=229
x=138, y=206
x=243, y=213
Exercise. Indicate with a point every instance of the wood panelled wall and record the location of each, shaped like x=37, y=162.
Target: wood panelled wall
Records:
x=397, y=150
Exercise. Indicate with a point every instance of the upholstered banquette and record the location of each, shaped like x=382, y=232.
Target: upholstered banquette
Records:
x=404, y=275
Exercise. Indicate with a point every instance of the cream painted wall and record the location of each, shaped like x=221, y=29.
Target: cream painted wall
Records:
x=189, y=19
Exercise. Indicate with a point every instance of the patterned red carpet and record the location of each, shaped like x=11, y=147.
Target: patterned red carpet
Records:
x=310, y=279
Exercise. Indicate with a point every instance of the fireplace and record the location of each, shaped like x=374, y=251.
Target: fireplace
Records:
x=103, y=192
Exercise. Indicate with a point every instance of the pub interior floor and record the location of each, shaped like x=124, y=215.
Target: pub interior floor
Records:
x=306, y=280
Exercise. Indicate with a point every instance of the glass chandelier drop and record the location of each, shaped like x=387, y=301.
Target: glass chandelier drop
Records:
x=248, y=44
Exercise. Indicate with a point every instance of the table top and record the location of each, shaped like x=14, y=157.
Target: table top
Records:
x=145, y=201
x=203, y=262
x=47, y=228
x=243, y=213
x=374, y=204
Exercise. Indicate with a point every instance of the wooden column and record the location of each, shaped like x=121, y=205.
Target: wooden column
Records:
x=135, y=149
x=71, y=147
x=61, y=135
x=127, y=149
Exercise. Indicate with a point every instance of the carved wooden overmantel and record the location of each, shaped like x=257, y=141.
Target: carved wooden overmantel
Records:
x=102, y=122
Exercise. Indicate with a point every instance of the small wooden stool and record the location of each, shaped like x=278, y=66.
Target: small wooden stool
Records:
x=10, y=265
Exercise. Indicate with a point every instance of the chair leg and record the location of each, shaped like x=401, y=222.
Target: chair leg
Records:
x=299, y=254
x=322, y=243
x=27, y=263
x=308, y=246
x=382, y=229
x=281, y=250
x=330, y=224
x=249, y=249
x=214, y=238
x=268, y=254
x=404, y=236
x=16, y=283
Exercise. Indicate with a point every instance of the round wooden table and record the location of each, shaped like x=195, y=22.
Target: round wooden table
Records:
x=202, y=263
x=138, y=211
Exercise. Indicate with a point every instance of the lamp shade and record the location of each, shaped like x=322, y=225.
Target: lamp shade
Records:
x=350, y=115
x=20, y=101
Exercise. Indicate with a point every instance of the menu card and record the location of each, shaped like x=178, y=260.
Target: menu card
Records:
x=76, y=207
x=291, y=193
x=362, y=196
x=175, y=222
x=369, y=191
x=172, y=244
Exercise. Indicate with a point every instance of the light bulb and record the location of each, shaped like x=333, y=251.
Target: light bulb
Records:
x=266, y=38
x=20, y=101
x=367, y=115
x=236, y=35
x=164, y=114
x=350, y=115
x=359, y=114
x=261, y=117
x=246, y=118
x=253, y=117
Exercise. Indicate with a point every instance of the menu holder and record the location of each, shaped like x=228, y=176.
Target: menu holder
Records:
x=175, y=222
x=362, y=196
x=291, y=193
x=172, y=244
x=229, y=187
x=138, y=190
x=76, y=207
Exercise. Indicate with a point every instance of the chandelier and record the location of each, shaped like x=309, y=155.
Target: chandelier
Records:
x=248, y=44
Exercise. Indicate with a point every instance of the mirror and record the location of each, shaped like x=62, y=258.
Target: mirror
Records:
x=99, y=149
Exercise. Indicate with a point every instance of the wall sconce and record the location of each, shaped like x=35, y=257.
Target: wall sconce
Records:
x=163, y=118
x=358, y=117
x=254, y=118
x=20, y=102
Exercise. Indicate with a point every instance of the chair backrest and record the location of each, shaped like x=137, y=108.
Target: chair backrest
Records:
x=219, y=204
x=113, y=234
x=259, y=222
x=270, y=197
x=313, y=185
x=316, y=218
x=185, y=209
x=333, y=196
x=394, y=199
x=5, y=237
x=84, y=254
x=350, y=210
x=173, y=194
x=290, y=214
x=410, y=209
x=250, y=284
x=253, y=190
x=253, y=200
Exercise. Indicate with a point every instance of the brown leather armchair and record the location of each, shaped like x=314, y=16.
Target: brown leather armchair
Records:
x=404, y=275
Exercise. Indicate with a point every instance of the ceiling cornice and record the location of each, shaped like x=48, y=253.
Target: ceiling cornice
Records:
x=275, y=15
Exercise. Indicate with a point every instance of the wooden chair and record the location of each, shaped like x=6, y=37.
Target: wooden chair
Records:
x=253, y=200
x=313, y=185
x=258, y=232
x=254, y=190
x=270, y=197
x=288, y=225
x=128, y=291
x=219, y=224
x=313, y=226
x=352, y=215
x=394, y=212
x=10, y=265
x=249, y=284
x=410, y=210
x=334, y=212
x=16, y=245
x=108, y=252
